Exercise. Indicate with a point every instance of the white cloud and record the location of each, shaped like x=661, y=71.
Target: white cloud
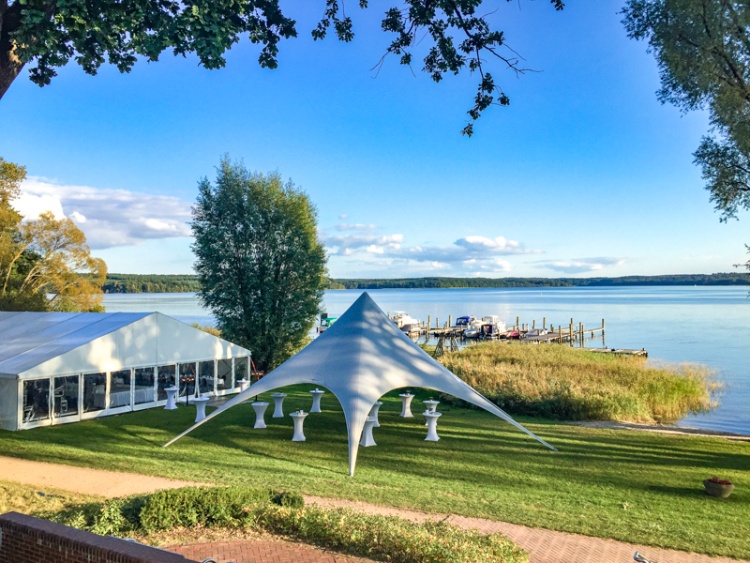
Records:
x=79, y=218
x=582, y=265
x=31, y=204
x=348, y=244
x=472, y=255
x=108, y=217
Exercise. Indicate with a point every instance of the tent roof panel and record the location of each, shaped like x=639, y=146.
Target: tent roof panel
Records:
x=29, y=339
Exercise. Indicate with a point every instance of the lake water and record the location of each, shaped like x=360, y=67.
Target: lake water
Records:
x=707, y=325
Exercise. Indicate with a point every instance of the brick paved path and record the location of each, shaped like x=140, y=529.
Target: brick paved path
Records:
x=262, y=551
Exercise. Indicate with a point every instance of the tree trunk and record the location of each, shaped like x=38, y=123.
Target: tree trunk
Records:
x=10, y=65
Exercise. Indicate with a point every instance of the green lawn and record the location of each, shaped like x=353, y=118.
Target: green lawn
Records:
x=633, y=486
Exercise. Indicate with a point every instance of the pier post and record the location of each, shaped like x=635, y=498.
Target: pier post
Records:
x=580, y=325
x=450, y=320
x=570, y=332
x=544, y=323
x=533, y=325
x=602, y=327
x=518, y=326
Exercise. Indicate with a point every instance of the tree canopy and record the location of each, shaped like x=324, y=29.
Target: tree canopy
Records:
x=47, y=34
x=45, y=264
x=702, y=48
x=260, y=264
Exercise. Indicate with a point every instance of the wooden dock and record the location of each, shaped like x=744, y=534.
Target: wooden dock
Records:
x=571, y=334
x=619, y=351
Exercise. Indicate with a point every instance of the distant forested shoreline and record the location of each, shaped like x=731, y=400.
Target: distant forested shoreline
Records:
x=162, y=283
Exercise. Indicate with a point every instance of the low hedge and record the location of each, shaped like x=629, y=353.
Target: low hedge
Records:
x=388, y=538
x=172, y=508
x=377, y=537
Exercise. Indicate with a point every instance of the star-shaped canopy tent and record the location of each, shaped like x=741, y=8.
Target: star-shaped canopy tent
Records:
x=360, y=358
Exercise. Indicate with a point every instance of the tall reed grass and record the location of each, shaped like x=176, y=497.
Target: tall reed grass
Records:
x=566, y=383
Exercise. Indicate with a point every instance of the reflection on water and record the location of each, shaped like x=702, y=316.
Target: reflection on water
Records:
x=707, y=325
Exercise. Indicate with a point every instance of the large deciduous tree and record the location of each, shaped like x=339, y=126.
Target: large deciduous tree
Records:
x=702, y=48
x=261, y=267
x=48, y=33
x=45, y=264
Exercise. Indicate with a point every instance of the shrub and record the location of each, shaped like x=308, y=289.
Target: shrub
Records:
x=208, y=506
x=289, y=499
x=388, y=538
x=571, y=384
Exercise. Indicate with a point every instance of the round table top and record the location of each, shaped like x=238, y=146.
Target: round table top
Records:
x=278, y=395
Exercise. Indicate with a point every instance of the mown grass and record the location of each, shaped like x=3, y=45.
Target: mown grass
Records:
x=632, y=486
x=36, y=500
x=564, y=383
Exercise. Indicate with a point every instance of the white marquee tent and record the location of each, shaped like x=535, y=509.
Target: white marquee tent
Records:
x=65, y=367
x=360, y=358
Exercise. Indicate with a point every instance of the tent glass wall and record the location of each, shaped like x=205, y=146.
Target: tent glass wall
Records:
x=206, y=376
x=187, y=379
x=119, y=389
x=145, y=382
x=224, y=379
x=166, y=378
x=66, y=396
x=35, y=400
x=240, y=368
x=94, y=392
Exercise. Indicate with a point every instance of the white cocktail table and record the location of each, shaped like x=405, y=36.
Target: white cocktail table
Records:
x=299, y=421
x=406, y=405
x=367, y=439
x=242, y=383
x=432, y=435
x=260, y=411
x=278, y=400
x=431, y=406
x=200, y=407
x=316, y=394
x=374, y=411
x=171, y=398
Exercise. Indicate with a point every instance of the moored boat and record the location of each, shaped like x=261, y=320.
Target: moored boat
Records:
x=325, y=323
x=405, y=322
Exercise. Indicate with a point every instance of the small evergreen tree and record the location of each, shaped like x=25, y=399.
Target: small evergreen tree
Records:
x=261, y=267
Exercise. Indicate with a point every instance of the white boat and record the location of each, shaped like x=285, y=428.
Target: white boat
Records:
x=536, y=332
x=489, y=327
x=405, y=321
x=465, y=324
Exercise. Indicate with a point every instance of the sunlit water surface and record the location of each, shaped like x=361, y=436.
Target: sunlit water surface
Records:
x=707, y=325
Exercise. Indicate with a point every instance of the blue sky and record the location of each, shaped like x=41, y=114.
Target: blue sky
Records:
x=584, y=174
